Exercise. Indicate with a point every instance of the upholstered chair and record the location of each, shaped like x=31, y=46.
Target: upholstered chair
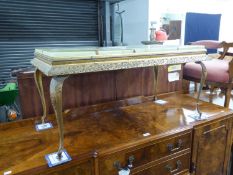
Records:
x=219, y=69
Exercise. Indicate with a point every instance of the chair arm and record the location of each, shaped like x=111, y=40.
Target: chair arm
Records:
x=225, y=47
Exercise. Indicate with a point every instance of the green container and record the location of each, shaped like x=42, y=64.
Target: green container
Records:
x=8, y=94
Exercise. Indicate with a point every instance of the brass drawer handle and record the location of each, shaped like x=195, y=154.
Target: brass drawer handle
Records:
x=178, y=167
x=172, y=148
x=125, y=169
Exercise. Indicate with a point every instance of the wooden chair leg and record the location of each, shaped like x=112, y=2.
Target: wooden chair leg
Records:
x=195, y=86
x=211, y=89
x=185, y=86
x=211, y=94
x=227, y=97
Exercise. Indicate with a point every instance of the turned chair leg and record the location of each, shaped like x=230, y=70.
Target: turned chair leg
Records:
x=212, y=89
x=227, y=97
x=195, y=86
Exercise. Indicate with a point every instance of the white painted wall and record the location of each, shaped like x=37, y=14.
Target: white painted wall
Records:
x=135, y=21
x=224, y=7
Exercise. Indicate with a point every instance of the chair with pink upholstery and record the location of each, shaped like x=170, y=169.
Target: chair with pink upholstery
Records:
x=219, y=70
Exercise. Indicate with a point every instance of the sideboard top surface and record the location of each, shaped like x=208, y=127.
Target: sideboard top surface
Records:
x=99, y=128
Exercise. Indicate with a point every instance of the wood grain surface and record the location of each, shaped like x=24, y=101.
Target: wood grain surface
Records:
x=92, y=133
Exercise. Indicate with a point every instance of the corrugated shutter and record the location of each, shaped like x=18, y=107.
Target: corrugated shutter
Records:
x=27, y=24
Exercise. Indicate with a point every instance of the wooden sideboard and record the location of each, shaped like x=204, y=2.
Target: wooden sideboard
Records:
x=159, y=139
x=99, y=87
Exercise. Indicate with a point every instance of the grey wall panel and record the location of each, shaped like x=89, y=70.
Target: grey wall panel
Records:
x=135, y=21
x=27, y=24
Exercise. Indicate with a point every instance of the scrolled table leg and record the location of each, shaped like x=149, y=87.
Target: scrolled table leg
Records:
x=56, y=99
x=203, y=79
x=39, y=84
x=155, y=71
x=198, y=114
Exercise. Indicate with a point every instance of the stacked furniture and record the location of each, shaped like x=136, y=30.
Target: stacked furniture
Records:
x=139, y=135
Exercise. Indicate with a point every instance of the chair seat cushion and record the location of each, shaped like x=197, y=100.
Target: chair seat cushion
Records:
x=217, y=70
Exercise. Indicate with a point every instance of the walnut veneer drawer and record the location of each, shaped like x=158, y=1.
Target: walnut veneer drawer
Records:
x=85, y=168
x=143, y=154
x=178, y=165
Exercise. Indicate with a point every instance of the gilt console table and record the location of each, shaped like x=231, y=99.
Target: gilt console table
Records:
x=60, y=63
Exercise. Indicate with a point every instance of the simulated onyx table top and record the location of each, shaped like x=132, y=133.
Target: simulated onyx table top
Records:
x=66, y=61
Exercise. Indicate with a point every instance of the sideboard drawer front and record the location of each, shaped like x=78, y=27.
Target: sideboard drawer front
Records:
x=178, y=165
x=145, y=154
x=160, y=149
x=85, y=168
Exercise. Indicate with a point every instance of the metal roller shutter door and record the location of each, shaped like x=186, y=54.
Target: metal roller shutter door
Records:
x=26, y=24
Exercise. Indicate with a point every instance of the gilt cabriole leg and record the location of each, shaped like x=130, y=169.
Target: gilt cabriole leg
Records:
x=155, y=71
x=56, y=99
x=203, y=78
x=39, y=84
